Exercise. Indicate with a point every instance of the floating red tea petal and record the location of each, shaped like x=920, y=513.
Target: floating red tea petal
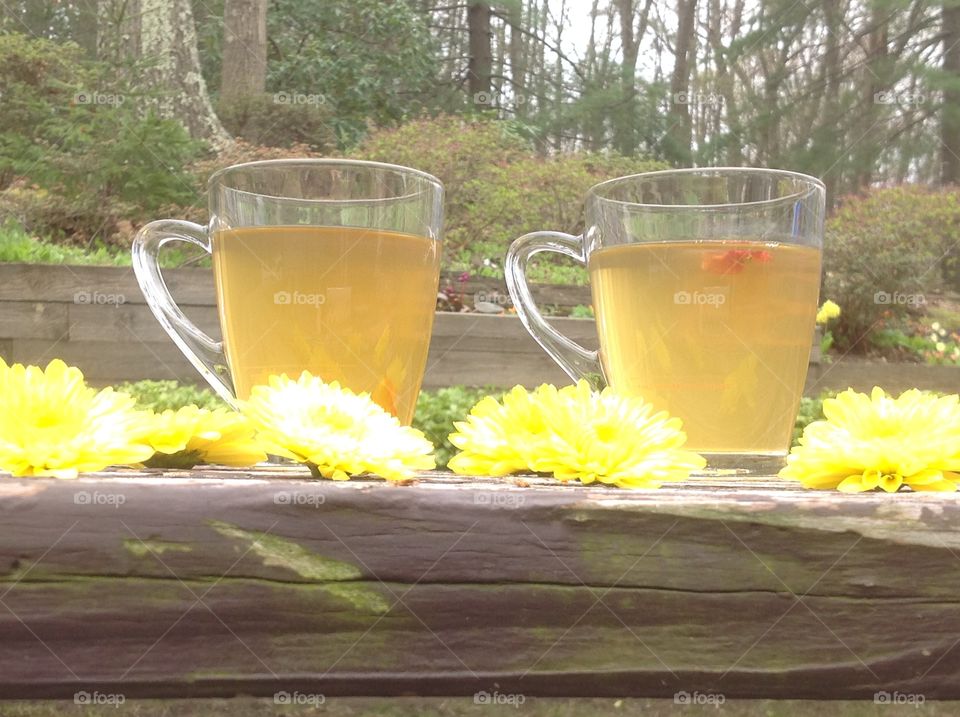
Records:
x=735, y=260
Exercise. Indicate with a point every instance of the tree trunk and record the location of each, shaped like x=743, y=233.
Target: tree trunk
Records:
x=481, y=55
x=518, y=80
x=166, y=36
x=593, y=122
x=85, y=31
x=499, y=75
x=950, y=114
x=539, y=71
x=875, y=95
x=118, y=31
x=244, y=49
x=625, y=130
x=558, y=80
x=832, y=71
x=726, y=81
x=680, y=123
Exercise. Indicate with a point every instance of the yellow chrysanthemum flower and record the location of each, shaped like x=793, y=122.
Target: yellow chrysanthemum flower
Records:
x=497, y=440
x=574, y=433
x=192, y=435
x=336, y=432
x=877, y=441
x=53, y=424
x=828, y=311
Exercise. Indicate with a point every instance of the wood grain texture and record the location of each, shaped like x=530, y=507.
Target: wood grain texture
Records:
x=33, y=282
x=251, y=582
x=894, y=377
x=38, y=282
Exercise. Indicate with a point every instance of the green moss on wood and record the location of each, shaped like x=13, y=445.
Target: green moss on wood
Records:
x=279, y=552
x=284, y=553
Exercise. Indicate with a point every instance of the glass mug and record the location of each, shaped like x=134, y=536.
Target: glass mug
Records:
x=326, y=265
x=705, y=285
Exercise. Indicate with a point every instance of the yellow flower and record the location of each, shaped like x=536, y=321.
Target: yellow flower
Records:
x=53, y=424
x=497, y=440
x=573, y=433
x=334, y=431
x=828, y=311
x=878, y=441
x=193, y=435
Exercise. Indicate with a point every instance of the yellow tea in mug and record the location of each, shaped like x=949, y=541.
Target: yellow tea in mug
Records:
x=347, y=304
x=717, y=333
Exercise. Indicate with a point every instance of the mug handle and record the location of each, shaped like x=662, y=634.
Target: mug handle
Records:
x=206, y=355
x=576, y=361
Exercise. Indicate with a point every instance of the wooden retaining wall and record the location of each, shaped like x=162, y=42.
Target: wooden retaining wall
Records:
x=96, y=318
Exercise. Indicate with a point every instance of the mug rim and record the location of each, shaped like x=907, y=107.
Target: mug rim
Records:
x=320, y=161
x=814, y=182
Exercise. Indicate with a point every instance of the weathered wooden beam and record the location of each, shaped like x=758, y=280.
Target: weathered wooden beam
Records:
x=222, y=582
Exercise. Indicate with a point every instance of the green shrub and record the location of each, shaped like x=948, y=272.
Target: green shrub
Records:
x=240, y=152
x=163, y=395
x=18, y=246
x=498, y=188
x=901, y=345
x=811, y=409
x=270, y=121
x=80, y=147
x=437, y=410
x=881, y=256
x=375, y=62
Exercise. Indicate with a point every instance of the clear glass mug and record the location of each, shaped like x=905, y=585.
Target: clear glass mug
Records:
x=326, y=265
x=705, y=285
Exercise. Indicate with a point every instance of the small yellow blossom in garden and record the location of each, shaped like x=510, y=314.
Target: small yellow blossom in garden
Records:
x=828, y=311
x=53, y=424
x=336, y=432
x=878, y=441
x=574, y=433
x=192, y=435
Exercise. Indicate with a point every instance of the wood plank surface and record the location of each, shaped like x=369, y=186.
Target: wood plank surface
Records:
x=194, y=286
x=95, y=318
x=466, y=707
x=248, y=582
